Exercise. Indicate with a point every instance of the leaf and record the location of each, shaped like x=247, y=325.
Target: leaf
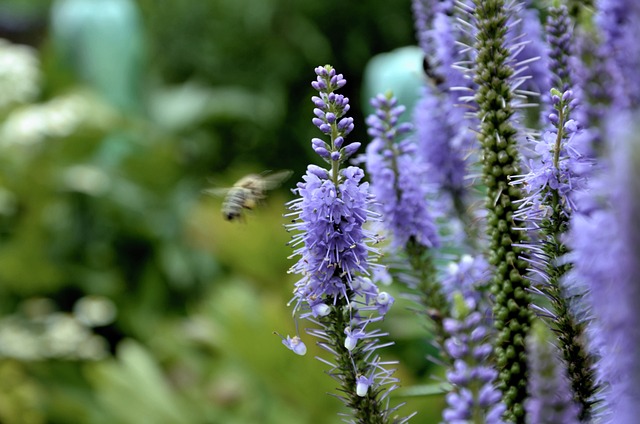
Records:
x=134, y=390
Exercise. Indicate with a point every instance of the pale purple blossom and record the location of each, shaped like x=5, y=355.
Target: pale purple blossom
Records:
x=472, y=374
x=397, y=176
x=605, y=240
x=336, y=257
x=556, y=167
x=442, y=141
x=618, y=22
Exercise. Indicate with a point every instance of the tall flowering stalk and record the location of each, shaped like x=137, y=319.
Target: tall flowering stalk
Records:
x=423, y=12
x=605, y=239
x=397, y=177
x=618, y=22
x=335, y=260
x=398, y=184
x=554, y=175
x=442, y=144
x=443, y=141
x=559, y=36
x=500, y=161
x=474, y=398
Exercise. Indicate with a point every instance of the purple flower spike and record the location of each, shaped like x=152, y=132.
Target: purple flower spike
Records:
x=605, y=240
x=334, y=291
x=330, y=109
x=396, y=177
x=472, y=376
x=618, y=21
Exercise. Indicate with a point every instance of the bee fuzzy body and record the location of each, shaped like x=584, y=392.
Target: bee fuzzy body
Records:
x=237, y=199
x=247, y=193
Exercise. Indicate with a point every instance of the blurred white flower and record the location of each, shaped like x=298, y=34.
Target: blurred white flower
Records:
x=86, y=179
x=59, y=117
x=39, y=332
x=19, y=74
x=94, y=311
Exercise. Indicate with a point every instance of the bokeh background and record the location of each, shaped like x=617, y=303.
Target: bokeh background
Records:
x=124, y=295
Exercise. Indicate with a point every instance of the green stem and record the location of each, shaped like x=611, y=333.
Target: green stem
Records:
x=429, y=289
x=366, y=409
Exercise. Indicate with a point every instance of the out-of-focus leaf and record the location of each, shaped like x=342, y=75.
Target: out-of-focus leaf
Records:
x=133, y=390
x=102, y=41
x=422, y=390
x=19, y=395
x=177, y=108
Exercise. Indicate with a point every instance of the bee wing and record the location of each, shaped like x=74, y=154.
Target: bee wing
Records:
x=274, y=179
x=217, y=192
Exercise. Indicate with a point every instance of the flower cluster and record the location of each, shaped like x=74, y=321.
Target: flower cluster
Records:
x=397, y=176
x=536, y=320
x=618, y=21
x=467, y=276
x=556, y=173
x=398, y=181
x=474, y=397
x=335, y=292
x=333, y=249
x=558, y=167
x=332, y=208
x=606, y=253
x=559, y=37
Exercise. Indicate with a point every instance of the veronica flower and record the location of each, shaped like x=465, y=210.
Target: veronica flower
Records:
x=436, y=32
x=440, y=34
x=398, y=182
x=558, y=167
x=443, y=139
x=468, y=276
x=474, y=398
x=447, y=148
x=550, y=399
x=440, y=143
x=618, y=22
x=605, y=240
x=423, y=13
x=595, y=88
x=335, y=260
x=397, y=177
x=555, y=175
x=559, y=37
x=448, y=53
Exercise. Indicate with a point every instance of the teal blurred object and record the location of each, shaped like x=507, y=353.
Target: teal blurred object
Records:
x=399, y=71
x=101, y=41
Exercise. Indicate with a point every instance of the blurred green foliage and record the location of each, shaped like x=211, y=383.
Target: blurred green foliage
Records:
x=134, y=107
x=260, y=55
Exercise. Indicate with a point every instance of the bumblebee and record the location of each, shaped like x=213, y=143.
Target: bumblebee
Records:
x=431, y=73
x=247, y=192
